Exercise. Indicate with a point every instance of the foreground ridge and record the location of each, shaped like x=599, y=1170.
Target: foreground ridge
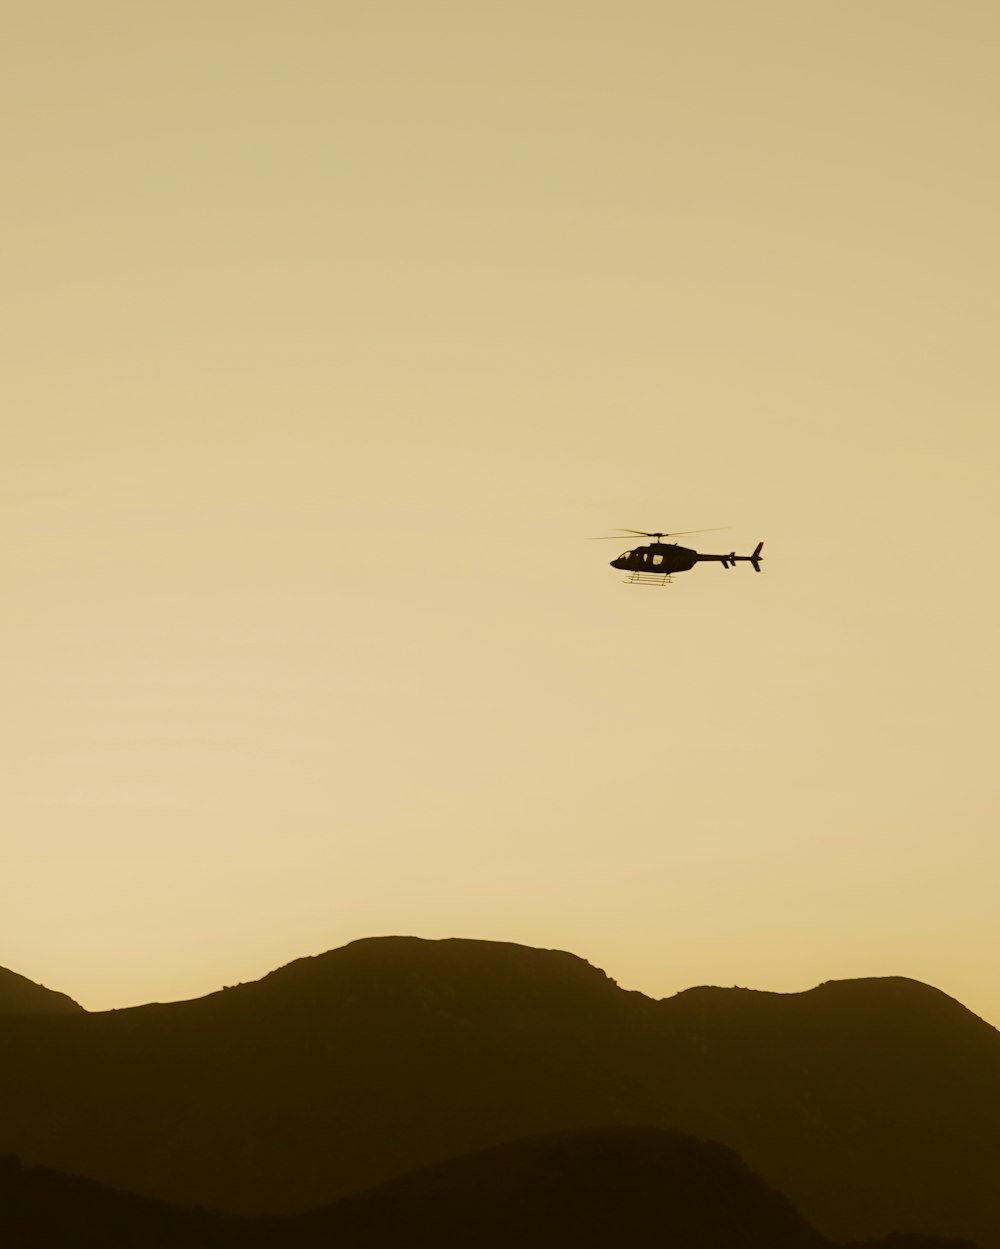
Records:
x=598, y=1187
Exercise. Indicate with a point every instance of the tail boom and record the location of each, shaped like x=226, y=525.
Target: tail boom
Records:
x=732, y=559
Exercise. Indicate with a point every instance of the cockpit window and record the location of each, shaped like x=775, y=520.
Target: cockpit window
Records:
x=625, y=555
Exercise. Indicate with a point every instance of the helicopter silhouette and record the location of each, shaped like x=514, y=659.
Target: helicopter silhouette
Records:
x=656, y=563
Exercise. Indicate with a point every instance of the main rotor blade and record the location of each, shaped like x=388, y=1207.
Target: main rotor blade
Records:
x=676, y=533
x=680, y=532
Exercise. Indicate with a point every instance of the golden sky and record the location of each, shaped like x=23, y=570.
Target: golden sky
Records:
x=333, y=330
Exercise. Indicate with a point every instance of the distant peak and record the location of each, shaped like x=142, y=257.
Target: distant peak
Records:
x=448, y=955
x=886, y=997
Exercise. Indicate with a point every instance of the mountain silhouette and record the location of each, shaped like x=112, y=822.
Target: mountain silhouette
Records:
x=593, y=1188
x=874, y=1105
x=19, y=996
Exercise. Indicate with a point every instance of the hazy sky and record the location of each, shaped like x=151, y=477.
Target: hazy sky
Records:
x=334, y=330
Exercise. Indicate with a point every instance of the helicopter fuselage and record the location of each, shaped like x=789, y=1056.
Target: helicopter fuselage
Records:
x=661, y=559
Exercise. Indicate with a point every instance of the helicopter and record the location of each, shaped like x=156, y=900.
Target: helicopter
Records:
x=656, y=563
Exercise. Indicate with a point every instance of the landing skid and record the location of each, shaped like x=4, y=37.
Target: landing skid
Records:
x=648, y=578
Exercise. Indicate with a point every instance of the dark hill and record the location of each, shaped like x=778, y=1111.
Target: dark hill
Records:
x=19, y=996
x=600, y=1187
x=875, y=1105
x=606, y=1186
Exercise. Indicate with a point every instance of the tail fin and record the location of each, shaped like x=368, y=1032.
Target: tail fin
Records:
x=756, y=557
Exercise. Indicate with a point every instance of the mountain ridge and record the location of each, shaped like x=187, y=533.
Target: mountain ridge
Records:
x=340, y=1070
